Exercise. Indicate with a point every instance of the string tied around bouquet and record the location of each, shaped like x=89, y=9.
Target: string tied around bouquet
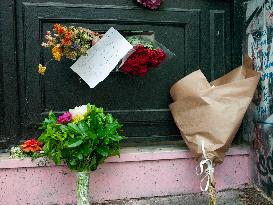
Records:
x=206, y=169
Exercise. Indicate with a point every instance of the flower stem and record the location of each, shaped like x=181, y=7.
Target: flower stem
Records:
x=212, y=191
x=83, y=188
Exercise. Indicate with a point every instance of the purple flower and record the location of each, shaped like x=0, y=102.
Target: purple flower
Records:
x=65, y=118
x=75, y=46
x=150, y=4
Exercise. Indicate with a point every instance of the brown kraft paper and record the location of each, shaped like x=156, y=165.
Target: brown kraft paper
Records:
x=212, y=112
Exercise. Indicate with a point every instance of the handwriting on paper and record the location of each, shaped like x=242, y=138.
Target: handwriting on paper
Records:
x=102, y=58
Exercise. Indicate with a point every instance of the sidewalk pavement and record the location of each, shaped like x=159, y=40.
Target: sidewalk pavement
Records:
x=245, y=196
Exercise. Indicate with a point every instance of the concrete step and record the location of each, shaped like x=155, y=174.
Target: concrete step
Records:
x=139, y=172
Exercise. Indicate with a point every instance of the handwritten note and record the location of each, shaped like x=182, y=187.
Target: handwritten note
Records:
x=102, y=58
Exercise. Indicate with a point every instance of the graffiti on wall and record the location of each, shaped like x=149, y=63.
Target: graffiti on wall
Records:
x=259, y=47
x=265, y=169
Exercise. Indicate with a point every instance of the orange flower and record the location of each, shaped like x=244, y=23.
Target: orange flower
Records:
x=68, y=35
x=67, y=40
x=31, y=145
x=58, y=28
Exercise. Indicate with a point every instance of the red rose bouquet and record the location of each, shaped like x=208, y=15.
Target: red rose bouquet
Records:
x=146, y=55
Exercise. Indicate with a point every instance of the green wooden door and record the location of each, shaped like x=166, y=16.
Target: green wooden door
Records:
x=197, y=31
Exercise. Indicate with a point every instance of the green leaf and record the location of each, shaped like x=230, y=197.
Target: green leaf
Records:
x=83, y=127
x=56, y=156
x=116, y=137
x=80, y=157
x=63, y=128
x=103, y=151
x=86, y=149
x=74, y=128
x=91, y=135
x=73, y=162
x=93, y=164
x=75, y=144
x=42, y=137
x=135, y=40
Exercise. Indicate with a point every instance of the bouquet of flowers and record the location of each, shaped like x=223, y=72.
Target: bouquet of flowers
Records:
x=70, y=42
x=150, y=4
x=146, y=55
x=208, y=116
x=83, y=138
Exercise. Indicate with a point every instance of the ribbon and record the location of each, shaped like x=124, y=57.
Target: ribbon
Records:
x=206, y=169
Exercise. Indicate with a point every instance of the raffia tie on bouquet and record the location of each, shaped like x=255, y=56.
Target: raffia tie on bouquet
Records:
x=206, y=169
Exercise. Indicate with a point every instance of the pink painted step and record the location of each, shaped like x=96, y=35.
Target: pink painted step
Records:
x=139, y=172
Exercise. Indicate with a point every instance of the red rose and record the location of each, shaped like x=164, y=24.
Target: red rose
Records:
x=161, y=55
x=143, y=70
x=153, y=59
x=143, y=58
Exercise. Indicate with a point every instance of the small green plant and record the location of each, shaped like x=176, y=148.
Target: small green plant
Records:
x=83, y=137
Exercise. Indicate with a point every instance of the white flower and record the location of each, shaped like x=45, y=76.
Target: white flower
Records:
x=17, y=153
x=44, y=44
x=48, y=37
x=78, y=112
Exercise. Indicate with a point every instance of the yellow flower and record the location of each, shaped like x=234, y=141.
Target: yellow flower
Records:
x=41, y=69
x=56, y=53
x=77, y=118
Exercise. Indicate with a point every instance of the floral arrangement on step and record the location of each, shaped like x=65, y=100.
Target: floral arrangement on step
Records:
x=147, y=55
x=68, y=41
x=83, y=138
x=150, y=4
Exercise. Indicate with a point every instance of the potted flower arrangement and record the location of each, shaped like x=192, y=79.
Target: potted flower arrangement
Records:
x=82, y=138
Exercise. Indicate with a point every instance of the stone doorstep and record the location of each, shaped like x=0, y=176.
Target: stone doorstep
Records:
x=130, y=154
x=139, y=172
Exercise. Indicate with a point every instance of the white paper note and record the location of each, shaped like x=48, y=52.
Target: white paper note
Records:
x=102, y=58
